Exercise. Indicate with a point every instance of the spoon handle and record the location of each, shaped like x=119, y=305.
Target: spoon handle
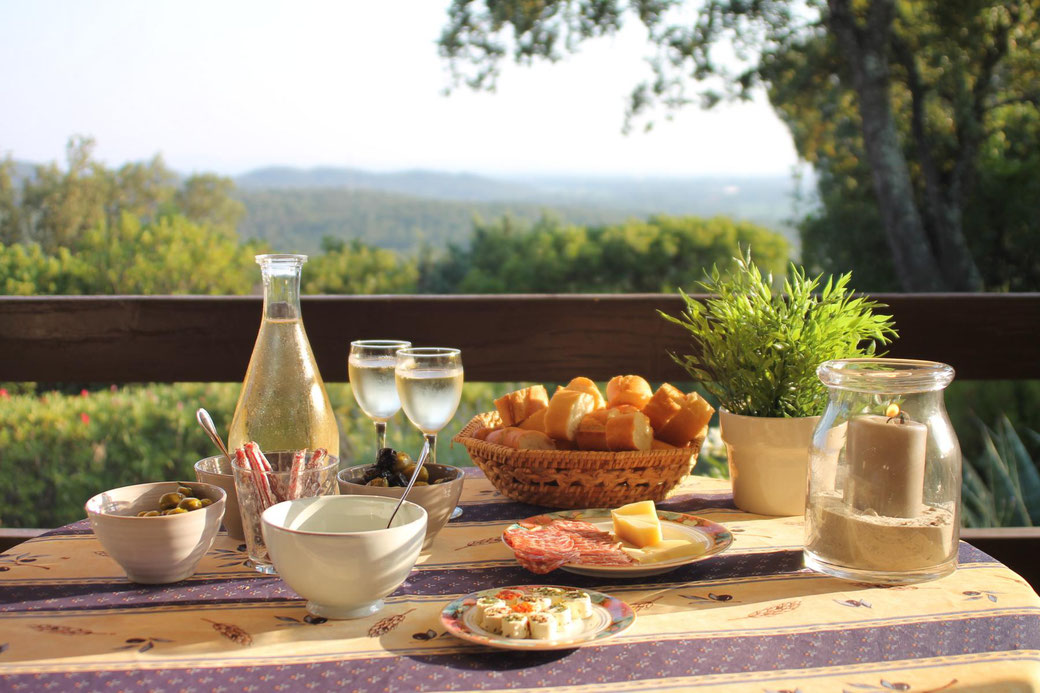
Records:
x=206, y=421
x=411, y=482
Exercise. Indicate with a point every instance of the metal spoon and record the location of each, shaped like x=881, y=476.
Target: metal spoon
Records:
x=206, y=422
x=411, y=482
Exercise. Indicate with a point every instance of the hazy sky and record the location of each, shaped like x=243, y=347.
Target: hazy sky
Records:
x=227, y=86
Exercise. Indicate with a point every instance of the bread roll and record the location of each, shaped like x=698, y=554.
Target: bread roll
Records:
x=535, y=422
x=688, y=422
x=583, y=384
x=529, y=440
x=628, y=389
x=498, y=436
x=592, y=431
x=665, y=404
x=565, y=411
x=661, y=445
x=629, y=431
x=517, y=406
x=482, y=433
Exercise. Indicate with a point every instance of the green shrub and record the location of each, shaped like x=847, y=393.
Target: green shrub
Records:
x=1001, y=486
x=58, y=450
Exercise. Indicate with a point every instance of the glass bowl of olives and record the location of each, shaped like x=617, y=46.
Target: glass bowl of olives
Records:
x=157, y=532
x=437, y=489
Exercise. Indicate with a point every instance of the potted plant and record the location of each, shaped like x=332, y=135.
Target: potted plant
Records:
x=756, y=350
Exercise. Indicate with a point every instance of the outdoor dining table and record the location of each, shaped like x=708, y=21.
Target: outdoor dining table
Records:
x=751, y=618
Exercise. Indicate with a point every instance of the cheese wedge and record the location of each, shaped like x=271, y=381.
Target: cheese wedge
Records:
x=666, y=550
x=646, y=507
x=637, y=530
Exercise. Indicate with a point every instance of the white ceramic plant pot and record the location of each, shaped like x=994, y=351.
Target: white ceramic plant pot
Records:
x=768, y=461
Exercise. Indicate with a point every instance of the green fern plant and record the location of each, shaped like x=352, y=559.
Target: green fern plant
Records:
x=1001, y=487
x=757, y=350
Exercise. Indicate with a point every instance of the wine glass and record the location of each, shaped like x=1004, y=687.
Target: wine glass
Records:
x=429, y=382
x=370, y=367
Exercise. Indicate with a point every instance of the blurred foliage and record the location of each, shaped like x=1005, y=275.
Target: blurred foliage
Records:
x=57, y=450
x=1001, y=484
x=356, y=268
x=656, y=255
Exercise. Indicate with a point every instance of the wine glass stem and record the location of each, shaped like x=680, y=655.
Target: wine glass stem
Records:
x=380, y=435
x=431, y=440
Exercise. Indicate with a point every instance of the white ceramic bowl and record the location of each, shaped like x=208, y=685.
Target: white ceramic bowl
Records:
x=437, y=499
x=335, y=551
x=155, y=550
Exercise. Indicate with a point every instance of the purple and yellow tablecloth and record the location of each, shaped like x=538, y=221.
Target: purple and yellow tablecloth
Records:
x=750, y=619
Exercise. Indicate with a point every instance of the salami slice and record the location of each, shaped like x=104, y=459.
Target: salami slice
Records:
x=540, y=551
x=560, y=542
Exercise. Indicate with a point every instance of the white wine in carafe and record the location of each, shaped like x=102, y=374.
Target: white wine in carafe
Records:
x=283, y=404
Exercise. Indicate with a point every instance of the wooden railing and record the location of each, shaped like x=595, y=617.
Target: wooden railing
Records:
x=124, y=339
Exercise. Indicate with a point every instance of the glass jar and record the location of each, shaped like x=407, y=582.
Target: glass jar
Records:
x=283, y=404
x=883, y=503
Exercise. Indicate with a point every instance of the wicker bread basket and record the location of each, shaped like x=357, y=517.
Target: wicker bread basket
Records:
x=577, y=478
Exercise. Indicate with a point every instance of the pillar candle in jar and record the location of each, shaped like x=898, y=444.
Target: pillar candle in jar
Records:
x=885, y=458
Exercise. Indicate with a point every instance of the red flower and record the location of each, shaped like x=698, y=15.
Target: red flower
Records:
x=3, y=392
x=84, y=417
x=83, y=392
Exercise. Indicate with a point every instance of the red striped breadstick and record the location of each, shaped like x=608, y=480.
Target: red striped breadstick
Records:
x=319, y=455
x=257, y=462
x=299, y=463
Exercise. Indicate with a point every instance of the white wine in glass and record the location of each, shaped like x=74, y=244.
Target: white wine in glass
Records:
x=429, y=382
x=370, y=367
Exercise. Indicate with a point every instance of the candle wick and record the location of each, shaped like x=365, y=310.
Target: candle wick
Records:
x=901, y=416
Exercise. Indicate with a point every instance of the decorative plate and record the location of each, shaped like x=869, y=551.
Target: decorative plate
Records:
x=609, y=617
x=711, y=536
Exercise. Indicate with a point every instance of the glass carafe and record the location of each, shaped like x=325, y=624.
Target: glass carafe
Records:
x=883, y=502
x=283, y=404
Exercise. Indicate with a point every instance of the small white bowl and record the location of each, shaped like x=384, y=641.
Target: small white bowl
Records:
x=336, y=552
x=155, y=550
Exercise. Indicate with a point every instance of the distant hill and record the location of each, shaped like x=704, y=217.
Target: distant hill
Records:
x=400, y=210
x=298, y=218
x=438, y=185
x=294, y=208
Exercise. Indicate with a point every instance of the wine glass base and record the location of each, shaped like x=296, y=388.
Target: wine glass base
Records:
x=264, y=568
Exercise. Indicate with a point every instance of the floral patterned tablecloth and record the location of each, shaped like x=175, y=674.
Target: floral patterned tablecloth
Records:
x=750, y=619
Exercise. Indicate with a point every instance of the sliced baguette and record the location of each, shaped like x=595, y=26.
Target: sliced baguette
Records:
x=628, y=389
x=519, y=405
x=592, y=431
x=665, y=404
x=629, y=431
x=688, y=422
x=535, y=422
x=583, y=384
x=565, y=411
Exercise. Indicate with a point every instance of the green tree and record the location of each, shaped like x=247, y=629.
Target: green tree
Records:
x=58, y=206
x=207, y=198
x=10, y=214
x=660, y=254
x=171, y=255
x=923, y=82
x=356, y=268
